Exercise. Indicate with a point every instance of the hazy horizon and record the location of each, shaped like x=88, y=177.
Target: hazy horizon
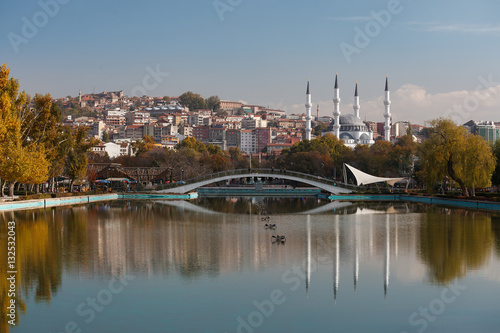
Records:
x=440, y=57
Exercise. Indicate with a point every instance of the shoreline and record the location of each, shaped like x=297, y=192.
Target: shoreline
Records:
x=68, y=201
x=459, y=203
x=79, y=200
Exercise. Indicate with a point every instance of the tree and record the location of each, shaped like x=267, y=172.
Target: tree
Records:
x=192, y=101
x=142, y=146
x=13, y=162
x=478, y=164
x=213, y=103
x=105, y=136
x=167, y=99
x=319, y=128
x=221, y=113
x=451, y=151
x=496, y=152
x=192, y=143
x=76, y=161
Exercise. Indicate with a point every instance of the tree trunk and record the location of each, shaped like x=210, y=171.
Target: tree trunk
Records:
x=453, y=176
x=52, y=185
x=37, y=188
x=11, y=189
x=71, y=186
x=1, y=188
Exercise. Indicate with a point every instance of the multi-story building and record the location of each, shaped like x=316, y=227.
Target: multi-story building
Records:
x=113, y=150
x=163, y=131
x=200, y=133
x=216, y=134
x=486, y=129
x=133, y=132
x=262, y=138
x=228, y=105
x=253, y=121
x=248, y=144
x=96, y=129
x=138, y=117
x=400, y=128
x=286, y=123
x=233, y=138
x=372, y=126
x=115, y=121
x=186, y=130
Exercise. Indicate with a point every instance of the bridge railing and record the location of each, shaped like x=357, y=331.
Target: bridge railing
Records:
x=258, y=172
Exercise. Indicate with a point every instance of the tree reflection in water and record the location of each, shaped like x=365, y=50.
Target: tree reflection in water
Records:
x=453, y=242
x=136, y=236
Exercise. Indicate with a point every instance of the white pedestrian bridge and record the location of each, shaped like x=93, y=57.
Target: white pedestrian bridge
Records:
x=325, y=184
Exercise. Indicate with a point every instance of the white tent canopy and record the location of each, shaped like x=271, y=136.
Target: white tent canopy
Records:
x=363, y=178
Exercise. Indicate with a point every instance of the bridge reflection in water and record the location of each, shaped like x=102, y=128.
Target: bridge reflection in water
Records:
x=365, y=247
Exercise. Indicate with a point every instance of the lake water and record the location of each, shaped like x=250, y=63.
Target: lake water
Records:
x=209, y=266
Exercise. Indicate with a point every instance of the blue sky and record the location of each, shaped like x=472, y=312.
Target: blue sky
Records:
x=263, y=52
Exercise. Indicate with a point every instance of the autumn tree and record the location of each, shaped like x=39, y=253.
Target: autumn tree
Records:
x=76, y=160
x=478, y=163
x=142, y=146
x=12, y=163
x=496, y=152
x=451, y=151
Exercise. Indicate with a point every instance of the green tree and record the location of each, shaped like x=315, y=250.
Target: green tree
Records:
x=192, y=101
x=76, y=161
x=167, y=99
x=478, y=163
x=213, y=103
x=496, y=174
x=105, y=136
x=319, y=128
x=451, y=151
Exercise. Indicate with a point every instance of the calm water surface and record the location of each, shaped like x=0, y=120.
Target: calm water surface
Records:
x=210, y=266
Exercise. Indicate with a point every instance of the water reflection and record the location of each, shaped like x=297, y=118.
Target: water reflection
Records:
x=196, y=240
x=455, y=242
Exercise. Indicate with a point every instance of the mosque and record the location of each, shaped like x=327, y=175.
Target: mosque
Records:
x=350, y=127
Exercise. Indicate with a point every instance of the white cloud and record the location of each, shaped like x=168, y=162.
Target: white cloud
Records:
x=417, y=105
x=350, y=18
x=461, y=28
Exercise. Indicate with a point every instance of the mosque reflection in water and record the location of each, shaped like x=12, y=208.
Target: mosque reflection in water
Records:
x=212, y=237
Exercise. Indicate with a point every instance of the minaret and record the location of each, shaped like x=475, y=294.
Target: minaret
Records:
x=308, y=113
x=80, y=98
x=308, y=255
x=387, y=261
x=356, y=256
x=356, y=102
x=387, y=114
x=337, y=260
x=336, y=108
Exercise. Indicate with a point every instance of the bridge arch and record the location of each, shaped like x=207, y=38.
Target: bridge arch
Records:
x=316, y=181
